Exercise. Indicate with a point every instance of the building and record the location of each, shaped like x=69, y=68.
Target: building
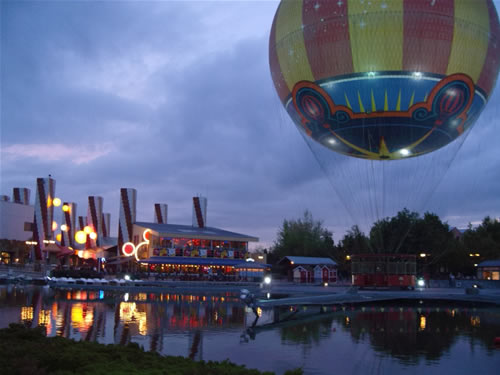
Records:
x=489, y=270
x=59, y=237
x=16, y=217
x=309, y=269
x=187, y=251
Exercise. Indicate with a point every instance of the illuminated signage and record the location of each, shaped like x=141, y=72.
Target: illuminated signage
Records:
x=129, y=249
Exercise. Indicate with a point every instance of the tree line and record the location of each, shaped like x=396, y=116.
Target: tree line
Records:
x=439, y=249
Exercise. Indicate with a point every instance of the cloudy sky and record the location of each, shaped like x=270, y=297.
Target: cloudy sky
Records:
x=175, y=99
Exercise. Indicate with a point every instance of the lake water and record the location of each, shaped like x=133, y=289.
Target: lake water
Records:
x=372, y=339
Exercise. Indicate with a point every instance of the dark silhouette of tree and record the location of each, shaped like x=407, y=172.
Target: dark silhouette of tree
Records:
x=303, y=237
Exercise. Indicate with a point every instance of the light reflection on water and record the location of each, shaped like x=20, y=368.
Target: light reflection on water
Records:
x=386, y=339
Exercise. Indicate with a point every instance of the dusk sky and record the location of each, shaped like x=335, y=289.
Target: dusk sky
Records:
x=175, y=99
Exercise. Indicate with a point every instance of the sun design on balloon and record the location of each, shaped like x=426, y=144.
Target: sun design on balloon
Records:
x=129, y=249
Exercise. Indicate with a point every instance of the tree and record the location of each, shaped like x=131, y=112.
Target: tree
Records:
x=390, y=235
x=484, y=240
x=354, y=242
x=302, y=237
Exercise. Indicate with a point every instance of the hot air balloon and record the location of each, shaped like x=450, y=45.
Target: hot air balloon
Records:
x=384, y=81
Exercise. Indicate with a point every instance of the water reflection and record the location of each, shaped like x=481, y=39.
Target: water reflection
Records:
x=217, y=326
x=406, y=333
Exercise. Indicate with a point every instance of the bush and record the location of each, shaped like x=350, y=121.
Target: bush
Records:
x=26, y=351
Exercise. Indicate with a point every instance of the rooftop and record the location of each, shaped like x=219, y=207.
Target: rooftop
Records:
x=209, y=233
x=310, y=260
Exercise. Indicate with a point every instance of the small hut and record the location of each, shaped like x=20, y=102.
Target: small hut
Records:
x=309, y=269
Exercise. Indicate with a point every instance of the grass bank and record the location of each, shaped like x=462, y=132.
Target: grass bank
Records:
x=27, y=351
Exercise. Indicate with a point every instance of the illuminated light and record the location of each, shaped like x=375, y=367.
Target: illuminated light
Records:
x=128, y=249
x=347, y=320
x=291, y=262
x=80, y=237
x=54, y=225
x=267, y=280
x=331, y=141
x=477, y=254
x=325, y=284
x=127, y=277
x=471, y=255
x=58, y=237
x=250, y=260
x=417, y=75
x=93, y=235
x=64, y=227
x=87, y=229
x=421, y=283
x=65, y=208
x=475, y=264
x=56, y=202
x=260, y=257
x=404, y=152
x=259, y=312
x=371, y=74
x=80, y=253
x=423, y=322
x=422, y=255
x=475, y=321
x=147, y=235
x=268, y=295
x=348, y=257
x=27, y=313
x=44, y=317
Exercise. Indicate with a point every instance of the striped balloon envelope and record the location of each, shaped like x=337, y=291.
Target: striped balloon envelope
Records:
x=384, y=79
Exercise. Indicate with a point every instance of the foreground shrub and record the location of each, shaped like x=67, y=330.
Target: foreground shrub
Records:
x=26, y=351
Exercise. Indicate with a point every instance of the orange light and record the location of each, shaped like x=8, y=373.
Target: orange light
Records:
x=147, y=235
x=80, y=237
x=58, y=237
x=56, y=202
x=87, y=229
x=54, y=225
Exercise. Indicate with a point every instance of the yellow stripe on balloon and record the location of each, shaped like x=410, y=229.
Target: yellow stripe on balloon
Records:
x=376, y=32
x=290, y=45
x=470, y=38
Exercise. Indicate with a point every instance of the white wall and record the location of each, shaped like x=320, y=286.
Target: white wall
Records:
x=12, y=219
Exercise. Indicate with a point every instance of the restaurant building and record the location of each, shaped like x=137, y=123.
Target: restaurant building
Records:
x=190, y=252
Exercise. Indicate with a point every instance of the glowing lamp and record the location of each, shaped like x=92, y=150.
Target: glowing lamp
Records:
x=65, y=208
x=56, y=202
x=128, y=249
x=54, y=225
x=64, y=227
x=58, y=237
x=80, y=237
x=93, y=235
x=87, y=229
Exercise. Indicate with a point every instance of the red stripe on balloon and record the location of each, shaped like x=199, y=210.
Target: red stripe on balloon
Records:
x=327, y=38
x=278, y=79
x=492, y=62
x=428, y=35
